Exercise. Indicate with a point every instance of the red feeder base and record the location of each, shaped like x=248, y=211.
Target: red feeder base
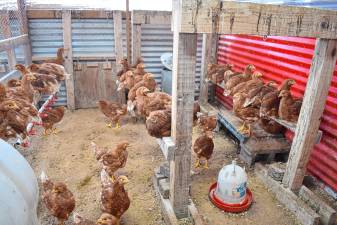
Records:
x=232, y=208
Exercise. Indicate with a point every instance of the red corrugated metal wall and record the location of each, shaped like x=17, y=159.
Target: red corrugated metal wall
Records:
x=279, y=58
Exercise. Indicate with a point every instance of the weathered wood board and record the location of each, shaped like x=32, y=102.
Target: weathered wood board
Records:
x=92, y=83
x=224, y=17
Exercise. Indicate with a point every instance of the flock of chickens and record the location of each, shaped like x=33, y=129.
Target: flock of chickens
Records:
x=254, y=100
x=18, y=98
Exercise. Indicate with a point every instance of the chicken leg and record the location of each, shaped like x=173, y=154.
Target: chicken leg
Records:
x=117, y=125
x=45, y=133
x=61, y=221
x=197, y=164
x=109, y=125
x=55, y=131
x=242, y=127
x=206, y=164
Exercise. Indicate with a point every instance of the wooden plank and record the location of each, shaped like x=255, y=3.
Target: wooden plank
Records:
x=167, y=147
x=151, y=17
x=184, y=60
x=24, y=30
x=136, y=39
x=68, y=59
x=7, y=33
x=292, y=126
x=128, y=32
x=195, y=214
x=304, y=213
x=166, y=207
x=118, y=32
x=328, y=214
x=36, y=13
x=224, y=17
x=208, y=55
x=321, y=73
x=11, y=43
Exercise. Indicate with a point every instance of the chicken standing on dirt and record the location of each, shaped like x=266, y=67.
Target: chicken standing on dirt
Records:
x=114, y=197
x=203, y=147
x=58, y=199
x=104, y=219
x=50, y=117
x=112, y=159
x=113, y=111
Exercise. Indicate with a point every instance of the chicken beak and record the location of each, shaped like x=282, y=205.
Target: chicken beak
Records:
x=100, y=221
x=126, y=180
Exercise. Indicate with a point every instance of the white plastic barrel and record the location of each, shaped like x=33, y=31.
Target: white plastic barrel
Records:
x=19, y=190
x=232, y=184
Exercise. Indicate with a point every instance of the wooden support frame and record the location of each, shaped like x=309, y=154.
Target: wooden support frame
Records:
x=321, y=73
x=7, y=33
x=184, y=60
x=68, y=61
x=118, y=32
x=229, y=17
x=24, y=29
x=136, y=37
x=128, y=33
x=13, y=42
x=208, y=55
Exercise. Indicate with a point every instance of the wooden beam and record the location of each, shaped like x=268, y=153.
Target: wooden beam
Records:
x=118, y=32
x=151, y=17
x=33, y=13
x=13, y=42
x=128, y=32
x=184, y=59
x=208, y=55
x=68, y=61
x=136, y=40
x=321, y=73
x=24, y=30
x=228, y=17
x=7, y=33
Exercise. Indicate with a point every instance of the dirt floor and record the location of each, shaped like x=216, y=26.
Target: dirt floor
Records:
x=67, y=157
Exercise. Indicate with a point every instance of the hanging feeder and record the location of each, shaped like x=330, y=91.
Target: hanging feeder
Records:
x=230, y=192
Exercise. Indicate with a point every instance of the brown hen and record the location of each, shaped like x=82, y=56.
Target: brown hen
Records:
x=51, y=117
x=104, y=219
x=113, y=111
x=207, y=123
x=58, y=199
x=158, y=124
x=59, y=57
x=289, y=108
x=114, y=197
x=235, y=80
x=112, y=159
x=203, y=147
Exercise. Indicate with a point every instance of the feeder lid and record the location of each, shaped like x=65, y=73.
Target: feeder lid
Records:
x=232, y=183
x=166, y=60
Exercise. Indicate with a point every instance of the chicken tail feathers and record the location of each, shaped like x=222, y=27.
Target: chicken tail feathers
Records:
x=43, y=177
x=77, y=218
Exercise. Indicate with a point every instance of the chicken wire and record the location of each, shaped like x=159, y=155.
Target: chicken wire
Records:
x=11, y=26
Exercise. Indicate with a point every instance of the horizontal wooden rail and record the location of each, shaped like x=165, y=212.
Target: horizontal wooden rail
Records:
x=13, y=42
x=213, y=16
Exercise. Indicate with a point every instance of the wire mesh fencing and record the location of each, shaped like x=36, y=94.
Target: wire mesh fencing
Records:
x=12, y=19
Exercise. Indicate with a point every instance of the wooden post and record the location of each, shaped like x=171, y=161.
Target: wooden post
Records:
x=118, y=32
x=136, y=38
x=68, y=58
x=209, y=46
x=7, y=33
x=184, y=59
x=24, y=29
x=316, y=92
x=128, y=32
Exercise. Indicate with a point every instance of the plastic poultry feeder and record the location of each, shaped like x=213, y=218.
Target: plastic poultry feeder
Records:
x=230, y=193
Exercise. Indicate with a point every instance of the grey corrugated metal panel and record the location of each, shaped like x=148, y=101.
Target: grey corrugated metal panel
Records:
x=46, y=36
x=84, y=39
